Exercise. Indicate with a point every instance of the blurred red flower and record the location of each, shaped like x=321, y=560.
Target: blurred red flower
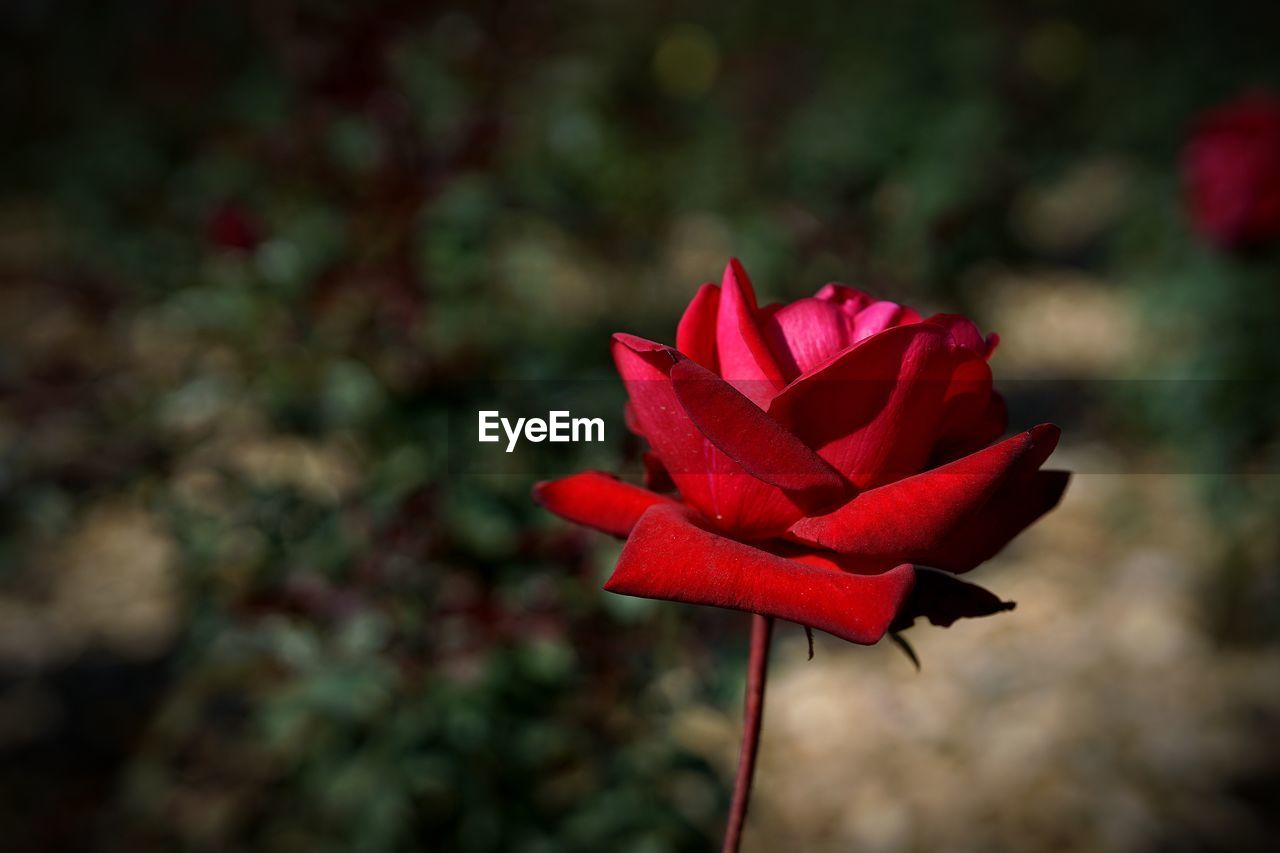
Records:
x=232, y=228
x=819, y=451
x=1231, y=167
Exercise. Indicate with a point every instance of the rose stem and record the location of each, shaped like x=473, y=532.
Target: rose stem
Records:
x=757, y=669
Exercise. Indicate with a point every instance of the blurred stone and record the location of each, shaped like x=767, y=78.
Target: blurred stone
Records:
x=116, y=581
x=547, y=275
x=323, y=472
x=708, y=733
x=686, y=61
x=44, y=328
x=1055, y=51
x=159, y=347
x=110, y=585
x=1076, y=208
x=1059, y=323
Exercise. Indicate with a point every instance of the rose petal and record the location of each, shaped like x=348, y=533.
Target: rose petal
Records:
x=942, y=599
x=629, y=419
x=597, y=500
x=973, y=416
x=873, y=412
x=878, y=316
x=844, y=295
x=668, y=556
x=696, y=334
x=986, y=532
x=806, y=333
x=915, y=516
x=964, y=333
x=656, y=477
x=707, y=478
x=744, y=356
x=753, y=439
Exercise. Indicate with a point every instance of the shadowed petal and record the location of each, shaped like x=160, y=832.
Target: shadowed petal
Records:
x=973, y=416
x=873, y=411
x=983, y=535
x=942, y=599
x=656, y=477
x=916, y=516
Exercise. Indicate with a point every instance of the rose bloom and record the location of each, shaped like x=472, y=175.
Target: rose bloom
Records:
x=829, y=462
x=232, y=228
x=1231, y=167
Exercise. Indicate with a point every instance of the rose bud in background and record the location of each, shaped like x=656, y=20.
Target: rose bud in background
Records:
x=1231, y=168
x=231, y=228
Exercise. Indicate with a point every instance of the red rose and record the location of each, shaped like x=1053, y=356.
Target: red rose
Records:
x=1231, y=167
x=820, y=451
x=232, y=228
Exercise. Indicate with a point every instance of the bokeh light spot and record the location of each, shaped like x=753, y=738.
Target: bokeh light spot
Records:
x=686, y=61
x=1055, y=51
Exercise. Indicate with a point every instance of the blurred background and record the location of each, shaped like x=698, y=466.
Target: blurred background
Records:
x=255, y=256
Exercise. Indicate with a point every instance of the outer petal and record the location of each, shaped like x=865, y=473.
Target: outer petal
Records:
x=942, y=599
x=696, y=334
x=668, y=556
x=744, y=356
x=873, y=412
x=984, y=534
x=597, y=500
x=974, y=415
x=965, y=335
x=754, y=440
x=916, y=516
x=708, y=479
